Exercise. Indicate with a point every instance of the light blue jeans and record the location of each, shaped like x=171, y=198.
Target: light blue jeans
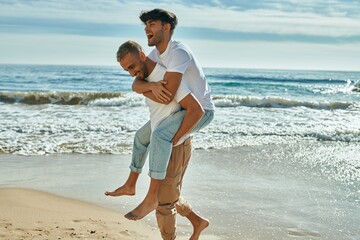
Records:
x=159, y=144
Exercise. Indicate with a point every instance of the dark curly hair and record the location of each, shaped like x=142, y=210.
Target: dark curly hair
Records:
x=162, y=15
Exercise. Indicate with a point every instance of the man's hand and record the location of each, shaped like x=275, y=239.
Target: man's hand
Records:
x=160, y=92
x=175, y=139
x=194, y=113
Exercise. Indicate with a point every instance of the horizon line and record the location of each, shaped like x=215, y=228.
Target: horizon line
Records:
x=204, y=67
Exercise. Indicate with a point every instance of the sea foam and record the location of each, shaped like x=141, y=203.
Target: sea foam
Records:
x=275, y=102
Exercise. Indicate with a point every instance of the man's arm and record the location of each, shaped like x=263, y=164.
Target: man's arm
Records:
x=194, y=112
x=161, y=92
x=153, y=90
x=173, y=80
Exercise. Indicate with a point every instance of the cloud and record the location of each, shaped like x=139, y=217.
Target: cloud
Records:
x=330, y=8
x=291, y=18
x=91, y=11
x=322, y=34
x=272, y=21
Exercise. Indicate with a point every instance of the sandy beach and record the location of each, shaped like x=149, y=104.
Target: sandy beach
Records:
x=31, y=214
x=62, y=197
x=278, y=192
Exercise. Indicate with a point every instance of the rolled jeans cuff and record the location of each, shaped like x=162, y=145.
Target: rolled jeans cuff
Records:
x=157, y=175
x=135, y=169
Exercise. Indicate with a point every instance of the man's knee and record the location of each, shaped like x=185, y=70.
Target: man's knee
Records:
x=140, y=134
x=144, y=132
x=162, y=134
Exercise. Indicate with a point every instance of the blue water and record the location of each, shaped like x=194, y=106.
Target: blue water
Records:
x=91, y=109
x=295, y=85
x=42, y=78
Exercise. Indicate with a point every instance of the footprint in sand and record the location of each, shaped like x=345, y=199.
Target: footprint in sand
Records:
x=7, y=225
x=95, y=222
x=298, y=232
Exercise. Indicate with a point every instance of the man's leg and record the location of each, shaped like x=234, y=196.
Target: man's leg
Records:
x=198, y=222
x=140, y=146
x=160, y=147
x=149, y=203
x=161, y=141
x=184, y=209
x=169, y=196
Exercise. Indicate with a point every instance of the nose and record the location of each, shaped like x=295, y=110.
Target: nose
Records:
x=132, y=73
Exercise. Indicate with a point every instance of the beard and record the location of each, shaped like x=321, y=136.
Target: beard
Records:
x=144, y=72
x=156, y=38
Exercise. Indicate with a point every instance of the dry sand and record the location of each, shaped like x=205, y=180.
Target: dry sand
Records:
x=30, y=214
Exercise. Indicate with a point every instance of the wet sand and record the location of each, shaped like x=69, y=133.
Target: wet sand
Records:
x=303, y=190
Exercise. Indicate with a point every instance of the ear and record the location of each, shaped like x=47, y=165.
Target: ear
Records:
x=167, y=27
x=142, y=56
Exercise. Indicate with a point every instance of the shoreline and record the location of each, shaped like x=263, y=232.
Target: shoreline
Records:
x=252, y=192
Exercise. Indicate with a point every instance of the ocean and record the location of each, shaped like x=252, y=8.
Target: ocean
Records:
x=280, y=160
x=88, y=109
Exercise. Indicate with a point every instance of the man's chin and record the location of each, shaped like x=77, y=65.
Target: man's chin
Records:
x=141, y=77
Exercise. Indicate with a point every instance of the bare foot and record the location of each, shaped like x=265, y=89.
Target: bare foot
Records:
x=199, y=225
x=145, y=207
x=124, y=190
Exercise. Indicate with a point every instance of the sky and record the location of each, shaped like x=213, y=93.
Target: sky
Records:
x=271, y=34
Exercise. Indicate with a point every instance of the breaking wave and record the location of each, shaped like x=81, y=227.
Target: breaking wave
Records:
x=120, y=99
x=276, y=102
x=63, y=98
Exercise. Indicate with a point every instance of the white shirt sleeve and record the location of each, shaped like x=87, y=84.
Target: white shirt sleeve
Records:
x=182, y=92
x=180, y=60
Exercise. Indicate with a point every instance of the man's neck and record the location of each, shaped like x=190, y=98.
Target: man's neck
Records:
x=161, y=47
x=150, y=65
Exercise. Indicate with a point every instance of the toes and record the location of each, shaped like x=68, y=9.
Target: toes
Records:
x=128, y=215
x=131, y=216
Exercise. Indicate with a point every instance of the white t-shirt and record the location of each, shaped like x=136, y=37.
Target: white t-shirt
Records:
x=178, y=58
x=158, y=111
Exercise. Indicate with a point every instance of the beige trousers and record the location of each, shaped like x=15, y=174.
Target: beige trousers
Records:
x=170, y=201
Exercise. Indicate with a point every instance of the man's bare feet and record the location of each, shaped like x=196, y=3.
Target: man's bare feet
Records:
x=124, y=190
x=199, y=224
x=145, y=207
x=128, y=189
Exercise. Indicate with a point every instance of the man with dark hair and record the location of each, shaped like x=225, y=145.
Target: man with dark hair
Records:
x=181, y=67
